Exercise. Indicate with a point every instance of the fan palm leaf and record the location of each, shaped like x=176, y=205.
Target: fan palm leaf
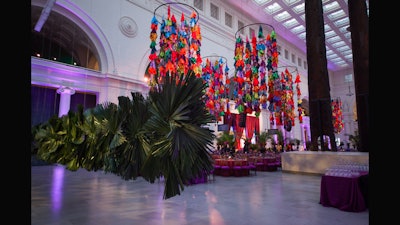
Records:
x=127, y=159
x=103, y=133
x=180, y=146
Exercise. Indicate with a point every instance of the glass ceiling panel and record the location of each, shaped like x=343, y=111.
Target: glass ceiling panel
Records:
x=349, y=56
x=302, y=36
x=290, y=23
x=338, y=44
x=273, y=8
x=327, y=27
x=336, y=15
x=299, y=8
x=282, y=16
x=341, y=63
x=343, y=29
x=329, y=52
x=290, y=2
x=298, y=29
x=303, y=17
x=261, y=2
x=338, y=59
x=331, y=56
x=344, y=48
x=347, y=52
x=330, y=33
x=330, y=6
x=333, y=39
x=342, y=22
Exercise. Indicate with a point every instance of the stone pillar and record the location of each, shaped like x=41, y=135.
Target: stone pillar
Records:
x=360, y=44
x=65, y=100
x=318, y=80
x=264, y=120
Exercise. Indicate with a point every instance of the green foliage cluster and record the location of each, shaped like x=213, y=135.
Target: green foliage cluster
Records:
x=355, y=139
x=153, y=137
x=226, y=137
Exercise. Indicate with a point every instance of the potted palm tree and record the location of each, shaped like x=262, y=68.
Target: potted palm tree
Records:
x=263, y=137
x=354, y=139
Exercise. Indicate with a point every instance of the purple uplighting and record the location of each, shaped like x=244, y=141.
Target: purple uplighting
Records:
x=57, y=187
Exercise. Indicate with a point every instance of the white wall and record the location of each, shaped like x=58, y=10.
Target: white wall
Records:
x=340, y=89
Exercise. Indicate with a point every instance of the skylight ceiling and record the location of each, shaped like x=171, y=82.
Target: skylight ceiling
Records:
x=288, y=19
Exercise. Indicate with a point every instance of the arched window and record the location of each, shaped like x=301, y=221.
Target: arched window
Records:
x=61, y=40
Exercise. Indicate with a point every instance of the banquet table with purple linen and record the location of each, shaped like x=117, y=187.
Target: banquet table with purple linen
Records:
x=347, y=193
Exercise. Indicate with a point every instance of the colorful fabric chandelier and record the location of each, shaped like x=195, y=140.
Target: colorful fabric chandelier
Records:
x=284, y=113
x=216, y=95
x=259, y=84
x=300, y=109
x=254, y=61
x=337, y=115
x=179, y=47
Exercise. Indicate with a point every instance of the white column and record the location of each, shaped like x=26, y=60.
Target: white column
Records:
x=65, y=100
x=264, y=120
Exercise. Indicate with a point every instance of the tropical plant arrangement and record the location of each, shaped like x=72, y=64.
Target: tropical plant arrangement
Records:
x=226, y=137
x=153, y=137
x=355, y=139
x=263, y=137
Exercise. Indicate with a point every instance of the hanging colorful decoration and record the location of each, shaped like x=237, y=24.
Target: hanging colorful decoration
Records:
x=283, y=111
x=217, y=90
x=253, y=60
x=274, y=83
x=179, y=46
x=287, y=114
x=300, y=109
x=259, y=85
x=337, y=115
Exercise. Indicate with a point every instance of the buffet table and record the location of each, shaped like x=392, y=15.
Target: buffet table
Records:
x=316, y=162
x=345, y=193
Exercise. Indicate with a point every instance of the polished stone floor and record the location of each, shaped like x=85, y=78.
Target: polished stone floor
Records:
x=62, y=197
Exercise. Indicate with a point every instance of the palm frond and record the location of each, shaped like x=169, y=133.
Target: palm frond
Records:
x=127, y=159
x=180, y=146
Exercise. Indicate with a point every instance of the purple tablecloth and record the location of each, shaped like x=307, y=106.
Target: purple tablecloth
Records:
x=344, y=193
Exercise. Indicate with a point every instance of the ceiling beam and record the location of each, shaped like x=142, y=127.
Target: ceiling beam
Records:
x=44, y=15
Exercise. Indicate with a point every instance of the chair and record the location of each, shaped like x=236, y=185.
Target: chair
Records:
x=270, y=164
x=252, y=165
x=211, y=176
x=217, y=169
x=225, y=169
x=246, y=168
x=237, y=168
x=278, y=162
x=259, y=162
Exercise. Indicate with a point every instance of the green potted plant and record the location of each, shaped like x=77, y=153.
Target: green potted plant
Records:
x=161, y=135
x=226, y=137
x=354, y=139
x=263, y=137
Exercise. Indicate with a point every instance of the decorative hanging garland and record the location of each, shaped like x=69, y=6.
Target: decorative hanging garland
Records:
x=259, y=85
x=300, y=109
x=337, y=115
x=256, y=71
x=252, y=63
x=217, y=90
x=179, y=46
